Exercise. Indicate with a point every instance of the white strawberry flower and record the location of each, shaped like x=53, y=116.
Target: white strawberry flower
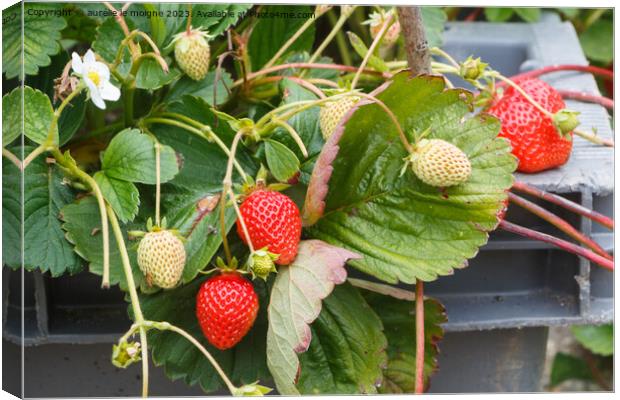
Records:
x=96, y=76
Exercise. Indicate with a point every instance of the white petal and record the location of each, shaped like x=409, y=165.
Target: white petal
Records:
x=109, y=91
x=96, y=98
x=102, y=70
x=90, y=84
x=89, y=57
x=76, y=63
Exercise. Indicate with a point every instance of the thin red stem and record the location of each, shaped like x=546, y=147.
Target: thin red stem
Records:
x=473, y=15
x=559, y=243
x=587, y=97
x=301, y=82
x=602, y=72
x=558, y=223
x=565, y=203
x=345, y=68
x=419, y=337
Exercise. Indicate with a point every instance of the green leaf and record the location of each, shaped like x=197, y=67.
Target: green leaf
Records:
x=45, y=247
x=196, y=215
x=41, y=35
x=597, y=41
x=109, y=37
x=434, y=20
x=498, y=14
x=12, y=205
x=204, y=163
x=347, y=353
x=282, y=162
x=244, y=363
x=528, y=14
x=398, y=317
x=270, y=34
x=405, y=229
x=214, y=94
x=80, y=27
x=174, y=19
x=123, y=196
x=151, y=76
x=566, y=367
x=305, y=123
x=11, y=116
x=158, y=23
x=569, y=12
x=296, y=302
x=82, y=223
x=130, y=156
x=38, y=115
x=216, y=18
x=361, y=49
x=73, y=115
x=597, y=339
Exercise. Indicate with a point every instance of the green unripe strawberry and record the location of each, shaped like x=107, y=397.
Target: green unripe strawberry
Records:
x=161, y=257
x=332, y=112
x=191, y=51
x=261, y=263
x=439, y=163
x=377, y=20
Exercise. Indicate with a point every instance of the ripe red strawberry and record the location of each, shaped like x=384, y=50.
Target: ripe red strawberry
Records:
x=273, y=221
x=226, y=307
x=534, y=138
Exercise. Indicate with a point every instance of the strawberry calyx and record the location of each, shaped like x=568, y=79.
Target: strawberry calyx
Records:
x=565, y=122
x=259, y=183
x=125, y=353
x=472, y=69
x=261, y=263
x=231, y=267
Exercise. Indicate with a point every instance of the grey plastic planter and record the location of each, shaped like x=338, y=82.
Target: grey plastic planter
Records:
x=499, y=307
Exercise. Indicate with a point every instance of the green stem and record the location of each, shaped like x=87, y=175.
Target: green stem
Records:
x=593, y=17
x=441, y=53
x=90, y=182
x=42, y=148
x=138, y=62
x=371, y=50
x=12, y=158
x=145, y=362
x=128, y=97
x=226, y=188
x=157, y=182
x=345, y=13
x=204, y=132
x=131, y=284
x=419, y=337
x=290, y=42
x=594, y=138
x=294, y=135
x=133, y=295
x=523, y=93
x=203, y=350
x=244, y=227
x=341, y=41
x=223, y=228
x=188, y=27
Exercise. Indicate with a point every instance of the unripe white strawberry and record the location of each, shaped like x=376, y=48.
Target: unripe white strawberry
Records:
x=439, y=163
x=332, y=112
x=376, y=21
x=161, y=257
x=191, y=51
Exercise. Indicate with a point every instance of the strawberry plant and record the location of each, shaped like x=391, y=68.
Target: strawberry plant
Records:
x=144, y=148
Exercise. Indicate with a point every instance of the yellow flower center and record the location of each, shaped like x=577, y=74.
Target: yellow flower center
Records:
x=94, y=76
